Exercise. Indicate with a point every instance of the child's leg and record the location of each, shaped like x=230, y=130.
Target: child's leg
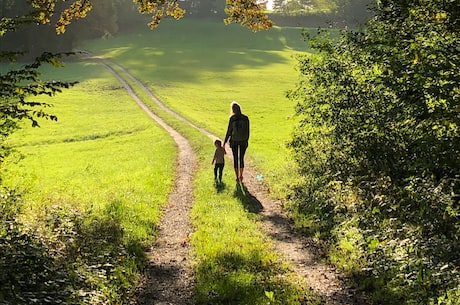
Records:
x=215, y=171
x=221, y=170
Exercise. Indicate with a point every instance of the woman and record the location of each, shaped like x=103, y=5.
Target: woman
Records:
x=238, y=134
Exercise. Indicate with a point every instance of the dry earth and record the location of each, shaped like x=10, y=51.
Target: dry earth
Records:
x=169, y=278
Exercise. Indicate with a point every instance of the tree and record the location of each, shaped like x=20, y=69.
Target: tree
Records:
x=246, y=12
x=378, y=144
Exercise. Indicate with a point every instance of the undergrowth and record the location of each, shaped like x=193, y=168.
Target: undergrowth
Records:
x=66, y=258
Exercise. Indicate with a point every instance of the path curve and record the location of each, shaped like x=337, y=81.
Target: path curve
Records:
x=300, y=251
x=169, y=279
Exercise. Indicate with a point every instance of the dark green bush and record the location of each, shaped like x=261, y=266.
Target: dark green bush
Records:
x=378, y=147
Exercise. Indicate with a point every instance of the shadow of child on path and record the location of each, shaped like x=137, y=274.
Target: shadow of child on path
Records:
x=249, y=201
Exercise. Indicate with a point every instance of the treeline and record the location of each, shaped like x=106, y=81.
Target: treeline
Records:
x=109, y=17
x=104, y=20
x=319, y=13
x=378, y=150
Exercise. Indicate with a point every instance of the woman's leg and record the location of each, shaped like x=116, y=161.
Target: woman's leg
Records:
x=243, y=147
x=235, y=149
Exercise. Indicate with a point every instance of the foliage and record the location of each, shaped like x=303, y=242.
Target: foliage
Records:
x=18, y=84
x=74, y=259
x=16, y=88
x=378, y=146
x=246, y=12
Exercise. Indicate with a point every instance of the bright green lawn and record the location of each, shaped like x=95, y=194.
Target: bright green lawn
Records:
x=104, y=155
x=103, y=152
x=198, y=68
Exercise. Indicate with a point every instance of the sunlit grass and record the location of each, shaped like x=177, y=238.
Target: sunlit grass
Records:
x=105, y=158
x=234, y=260
x=103, y=151
x=198, y=69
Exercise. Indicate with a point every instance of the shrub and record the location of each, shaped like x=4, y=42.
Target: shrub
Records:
x=378, y=145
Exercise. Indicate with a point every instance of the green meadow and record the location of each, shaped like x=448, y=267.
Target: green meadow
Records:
x=100, y=152
x=199, y=68
x=107, y=162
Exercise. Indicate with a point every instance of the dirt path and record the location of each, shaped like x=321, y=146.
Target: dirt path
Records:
x=302, y=252
x=169, y=279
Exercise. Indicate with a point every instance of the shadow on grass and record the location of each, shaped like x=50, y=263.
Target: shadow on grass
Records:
x=219, y=186
x=249, y=201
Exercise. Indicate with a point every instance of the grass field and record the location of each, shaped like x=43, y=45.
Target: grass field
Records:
x=103, y=149
x=199, y=68
x=107, y=160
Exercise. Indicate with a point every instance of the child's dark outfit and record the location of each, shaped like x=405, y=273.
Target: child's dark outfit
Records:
x=219, y=162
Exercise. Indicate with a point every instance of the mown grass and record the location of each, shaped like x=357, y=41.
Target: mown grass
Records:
x=107, y=160
x=103, y=148
x=234, y=261
x=198, y=68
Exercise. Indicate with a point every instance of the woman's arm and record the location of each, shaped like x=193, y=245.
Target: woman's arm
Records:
x=229, y=130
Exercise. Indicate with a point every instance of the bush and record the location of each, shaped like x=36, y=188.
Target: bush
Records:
x=378, y=145
x=67, y=258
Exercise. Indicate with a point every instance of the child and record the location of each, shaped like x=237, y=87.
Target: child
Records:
x=218, y=160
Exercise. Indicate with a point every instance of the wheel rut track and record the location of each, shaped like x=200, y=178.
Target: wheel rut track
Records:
x=169, y=279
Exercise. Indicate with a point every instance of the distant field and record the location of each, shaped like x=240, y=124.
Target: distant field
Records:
x=198, y=68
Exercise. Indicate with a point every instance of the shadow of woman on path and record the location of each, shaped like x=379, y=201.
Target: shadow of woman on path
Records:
x=249, y=201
